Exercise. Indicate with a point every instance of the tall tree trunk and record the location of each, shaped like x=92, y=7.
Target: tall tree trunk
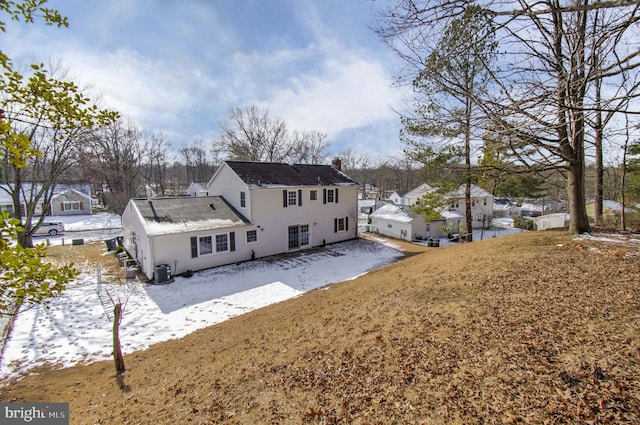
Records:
x=598, y=139
x=117, y=348
x=467, y=161
x=579, y=221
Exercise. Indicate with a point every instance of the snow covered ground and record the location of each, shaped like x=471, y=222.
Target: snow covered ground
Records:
x=76, y=327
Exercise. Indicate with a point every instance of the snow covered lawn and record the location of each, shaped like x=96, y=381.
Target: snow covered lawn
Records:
x=75, y=327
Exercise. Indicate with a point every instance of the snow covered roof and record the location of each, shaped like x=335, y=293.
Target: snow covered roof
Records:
x=419, y=191
x=531, y=207
x=366, y=203
x=185, y=213
x=452, y=214
x=198, y=185
x=277, y=174
x=476, y=191
x=81, y=187
x=394, y=212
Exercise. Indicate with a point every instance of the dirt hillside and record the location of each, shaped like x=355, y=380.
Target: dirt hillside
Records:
x=531, y=328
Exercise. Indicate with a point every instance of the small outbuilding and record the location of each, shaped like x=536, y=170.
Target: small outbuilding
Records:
x=552, y=221
x=399, y=222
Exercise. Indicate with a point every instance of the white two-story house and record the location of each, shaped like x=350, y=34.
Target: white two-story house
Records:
x=481, y=206
x=259, y=209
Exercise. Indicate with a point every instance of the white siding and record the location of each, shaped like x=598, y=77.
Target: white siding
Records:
x=273, y=219
x=175, y=250
x=227, y=184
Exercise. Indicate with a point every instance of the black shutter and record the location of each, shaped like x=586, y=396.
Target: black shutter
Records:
x=335, y=198
x=194, y=247
x=335, y=225
x=299, y=197
x=232, y=241
x=346, y=223
x=284, y=198
x=324, y=196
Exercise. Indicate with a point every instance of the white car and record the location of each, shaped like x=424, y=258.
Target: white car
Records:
x=50, y=228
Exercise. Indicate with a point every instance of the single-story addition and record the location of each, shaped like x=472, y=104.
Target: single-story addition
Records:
x=397, y=221
x=186, y=233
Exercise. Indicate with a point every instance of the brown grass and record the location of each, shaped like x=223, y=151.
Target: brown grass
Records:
x=532, y=328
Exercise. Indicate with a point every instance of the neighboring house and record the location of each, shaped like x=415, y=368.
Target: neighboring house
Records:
x=259, y=209
x=399, y=222
x=73, y=194
x=71, y=202
x=198, y=189
x=505, y=210
x=413, y=196
x=530, y=210
x=552, y=221
x=366, y=206
x=398, y=198
x=454, y=219
x=609, y=207
x=481, y=205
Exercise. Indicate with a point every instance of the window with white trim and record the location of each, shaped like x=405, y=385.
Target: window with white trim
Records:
x=70, y=206
x=330, y=196
x=252, y=236
x=292, y=198
x=243, y=200
x=222, y=242
x=205, y=245
x=313, y=195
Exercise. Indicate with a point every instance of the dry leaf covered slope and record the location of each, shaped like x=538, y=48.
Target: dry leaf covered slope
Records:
x=529, y=328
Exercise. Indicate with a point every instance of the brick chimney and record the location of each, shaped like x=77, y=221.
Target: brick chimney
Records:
x=336, y=164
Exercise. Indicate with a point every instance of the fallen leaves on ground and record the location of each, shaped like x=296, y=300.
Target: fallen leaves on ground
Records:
x=533, y=328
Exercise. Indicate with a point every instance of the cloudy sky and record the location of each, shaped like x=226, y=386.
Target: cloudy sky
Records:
x=177, y=67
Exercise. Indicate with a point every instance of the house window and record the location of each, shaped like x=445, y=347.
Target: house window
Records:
x=485, y=201
x=243, y=200
x=222, y=243
x=313, y=195
x=205, y=245
x=428, y=227
x=292, y=198
x=252, y=236
x=330, y=196
x=70, y=206
x=340, y=224
x=389, y=225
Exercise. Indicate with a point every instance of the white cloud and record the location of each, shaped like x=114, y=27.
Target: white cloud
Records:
x=345, y=95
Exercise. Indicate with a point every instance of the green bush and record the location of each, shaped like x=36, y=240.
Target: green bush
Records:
x=524, y=223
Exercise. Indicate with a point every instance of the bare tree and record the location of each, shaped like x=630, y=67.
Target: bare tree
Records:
x=195, y=161
x=46, y=116
x=115, y=155
x=251, y=134
x=309, y=147
x=539, y=100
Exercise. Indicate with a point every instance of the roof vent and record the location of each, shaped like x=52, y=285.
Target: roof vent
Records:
x=213, y=207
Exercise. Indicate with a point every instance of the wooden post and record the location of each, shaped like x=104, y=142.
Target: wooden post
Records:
x=117, y=349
